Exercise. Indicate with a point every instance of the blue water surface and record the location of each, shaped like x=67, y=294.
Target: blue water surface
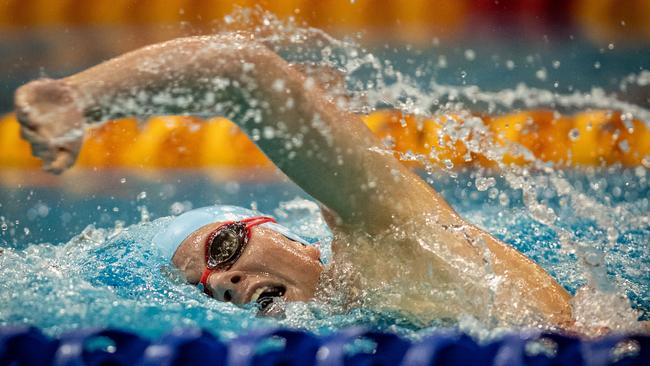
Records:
x=76, y=249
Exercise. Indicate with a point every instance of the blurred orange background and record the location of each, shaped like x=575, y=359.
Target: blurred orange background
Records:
x=182, y=141
x=602, y=20
x=595, y=138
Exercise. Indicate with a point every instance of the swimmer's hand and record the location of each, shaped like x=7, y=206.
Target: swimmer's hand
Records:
x=52, y=121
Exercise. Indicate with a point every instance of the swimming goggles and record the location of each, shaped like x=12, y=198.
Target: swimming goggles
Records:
x=225, y=245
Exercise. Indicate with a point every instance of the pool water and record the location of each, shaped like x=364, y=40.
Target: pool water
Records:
x=82, y=257
x=76, y=250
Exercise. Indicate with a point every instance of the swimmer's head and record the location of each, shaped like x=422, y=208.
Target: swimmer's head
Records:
x=273, y=262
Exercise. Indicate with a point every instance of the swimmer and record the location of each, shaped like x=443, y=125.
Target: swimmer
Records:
x=397, y=245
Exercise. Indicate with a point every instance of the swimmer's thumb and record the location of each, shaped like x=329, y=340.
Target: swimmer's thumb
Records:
x=62, y=161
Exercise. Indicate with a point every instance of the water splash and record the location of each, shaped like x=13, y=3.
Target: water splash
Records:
x=585, y=228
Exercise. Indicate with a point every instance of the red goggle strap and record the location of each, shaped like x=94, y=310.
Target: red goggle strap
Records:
x=250, y=222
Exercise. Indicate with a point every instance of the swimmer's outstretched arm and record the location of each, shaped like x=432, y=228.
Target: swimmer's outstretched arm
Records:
x=323, y=148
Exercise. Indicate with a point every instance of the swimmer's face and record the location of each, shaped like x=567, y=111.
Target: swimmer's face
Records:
x=270, y=263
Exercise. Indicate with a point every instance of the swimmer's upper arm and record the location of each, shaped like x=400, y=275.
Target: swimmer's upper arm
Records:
x=333, y=156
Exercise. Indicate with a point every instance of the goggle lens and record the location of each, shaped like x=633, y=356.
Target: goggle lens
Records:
x=226, y=245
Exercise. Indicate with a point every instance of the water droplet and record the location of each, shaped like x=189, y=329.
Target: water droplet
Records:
x=574, y=134
x=442, y=62
x=309, y=83
x=470, y=55
x=646, y=161
x=145, y=216
x=483, y=184
x=640, y=172
x=493, y=193
x=268, y=133
x=504, y=200
x=178, y=208
x=278, y=85
x=624, y=146
x=594, y=258
x=541, y=74
x=123, y=180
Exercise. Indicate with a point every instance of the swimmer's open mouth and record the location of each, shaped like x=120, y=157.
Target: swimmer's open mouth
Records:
x=264, y=296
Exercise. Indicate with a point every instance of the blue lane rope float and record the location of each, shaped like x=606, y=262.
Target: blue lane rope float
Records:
x=353, y=346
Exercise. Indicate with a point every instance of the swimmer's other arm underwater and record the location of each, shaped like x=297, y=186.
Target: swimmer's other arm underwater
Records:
x=409, y=250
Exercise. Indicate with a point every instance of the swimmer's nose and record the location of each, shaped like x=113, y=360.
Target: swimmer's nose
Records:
x=227, y=286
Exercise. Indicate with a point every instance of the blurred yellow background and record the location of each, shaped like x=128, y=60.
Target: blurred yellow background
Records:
x=595, y=138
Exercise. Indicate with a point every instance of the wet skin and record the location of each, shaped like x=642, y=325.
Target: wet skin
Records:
x=268, y=259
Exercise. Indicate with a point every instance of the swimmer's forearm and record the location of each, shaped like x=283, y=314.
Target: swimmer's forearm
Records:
x=168, y=78
x=191, y=76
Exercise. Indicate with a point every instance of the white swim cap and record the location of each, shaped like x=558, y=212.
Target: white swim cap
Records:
x=171, y=237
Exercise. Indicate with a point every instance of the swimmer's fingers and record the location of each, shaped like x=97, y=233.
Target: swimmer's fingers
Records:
x=52, y=121
x=56, y=159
